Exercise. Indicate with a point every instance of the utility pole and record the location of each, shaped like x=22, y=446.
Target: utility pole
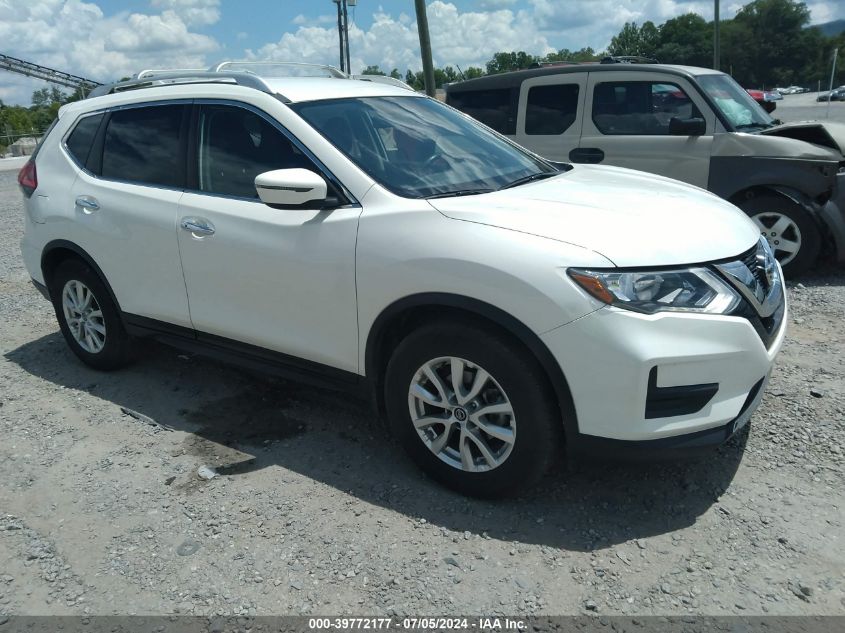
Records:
x=425, y=47
x=340, y=34
x=832, y=74
x=346, y=36
x=716, y=43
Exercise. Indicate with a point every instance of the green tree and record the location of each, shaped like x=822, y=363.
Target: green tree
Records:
x=627, y=41
x=395, y=73
x=649, y=39
x=775, y=43
x=41, y=97
x=507, y=61
x=687, y=40
x=586, y=54
x=473, y=72
x=372, y=70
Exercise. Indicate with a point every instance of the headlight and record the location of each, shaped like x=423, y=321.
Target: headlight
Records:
x=682, y=290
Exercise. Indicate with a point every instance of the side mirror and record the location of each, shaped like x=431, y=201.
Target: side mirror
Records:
x=687, y=127
x=291, y=189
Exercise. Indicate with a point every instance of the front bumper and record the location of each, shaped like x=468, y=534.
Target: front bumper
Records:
x=620, y=364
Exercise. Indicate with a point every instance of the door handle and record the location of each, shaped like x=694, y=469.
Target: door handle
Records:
x=89, y=204
x=198, y=226
x=590, y=155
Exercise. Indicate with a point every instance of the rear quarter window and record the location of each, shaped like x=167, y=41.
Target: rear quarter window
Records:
x=494, y=108
x=551, y=109
x=80, y=141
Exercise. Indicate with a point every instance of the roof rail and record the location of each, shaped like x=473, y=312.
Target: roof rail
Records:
x=169, y=72
x=260, y=68
x=383, y=79
x=628, y=59
x=180, y=77
x=244, y=73
x=562, y=62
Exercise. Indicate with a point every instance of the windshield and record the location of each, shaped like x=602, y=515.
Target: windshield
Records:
x=418, y=148
x=736, y=104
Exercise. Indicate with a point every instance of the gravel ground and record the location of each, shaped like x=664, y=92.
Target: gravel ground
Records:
x=316, y=512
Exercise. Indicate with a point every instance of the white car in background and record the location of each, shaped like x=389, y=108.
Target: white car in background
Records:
x=499, y=308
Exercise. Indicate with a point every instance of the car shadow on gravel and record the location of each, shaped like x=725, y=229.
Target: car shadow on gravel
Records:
x=335, y=439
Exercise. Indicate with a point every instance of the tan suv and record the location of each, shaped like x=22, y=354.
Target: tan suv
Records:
x=692, y=124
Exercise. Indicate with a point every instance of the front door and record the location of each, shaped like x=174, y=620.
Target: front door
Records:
x=278, y=279
x=626, y=124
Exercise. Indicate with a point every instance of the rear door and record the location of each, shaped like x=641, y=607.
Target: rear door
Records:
x=550, y=113
x=626, y=124
x=126, y=199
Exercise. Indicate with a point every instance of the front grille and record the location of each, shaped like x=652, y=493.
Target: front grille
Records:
x=766, y=327
x=759, y=291
x=749, y=258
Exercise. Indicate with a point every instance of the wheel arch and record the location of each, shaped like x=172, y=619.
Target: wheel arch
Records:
x=780, y=191
x=404, y=315
x=57, y=251
x=790, y=194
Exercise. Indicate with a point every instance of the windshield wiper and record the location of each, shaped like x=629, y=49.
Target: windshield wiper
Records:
x=458, y=192
x=531, y=178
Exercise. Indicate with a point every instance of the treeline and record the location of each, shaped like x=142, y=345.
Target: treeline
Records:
x=20, y=121
x=768, y=43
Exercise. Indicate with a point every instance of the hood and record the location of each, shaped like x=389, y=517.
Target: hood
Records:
x=826, y=134
x=630, y=217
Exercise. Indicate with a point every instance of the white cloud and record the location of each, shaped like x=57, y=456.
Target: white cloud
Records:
x=826, y=10
x=76, y=37
x=457, y=38
x=192, y=12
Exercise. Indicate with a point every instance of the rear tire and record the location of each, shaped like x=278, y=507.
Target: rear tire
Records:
x=88, y=318
x=790, y=230
x=480, y=454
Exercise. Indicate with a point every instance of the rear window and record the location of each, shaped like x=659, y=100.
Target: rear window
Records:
x=551, y=109
x=82, y=138
x=143, y=145
x=494, y=108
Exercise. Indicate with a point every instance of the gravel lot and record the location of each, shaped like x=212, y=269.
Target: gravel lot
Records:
x=316, y=512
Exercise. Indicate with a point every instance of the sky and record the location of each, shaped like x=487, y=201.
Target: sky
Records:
x=105, y=40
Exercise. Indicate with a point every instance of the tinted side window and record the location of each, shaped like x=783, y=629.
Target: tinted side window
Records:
x=639, y=107
x=494, y=108
x=551, y=109
x=143, y=145
x=82, y=138
x=235, y=145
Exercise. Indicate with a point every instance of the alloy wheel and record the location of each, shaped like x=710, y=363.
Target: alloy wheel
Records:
x=781, y=232
x=462, y=414
x=83, y=316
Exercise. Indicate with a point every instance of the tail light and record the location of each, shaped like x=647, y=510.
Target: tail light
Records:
x=28, y=178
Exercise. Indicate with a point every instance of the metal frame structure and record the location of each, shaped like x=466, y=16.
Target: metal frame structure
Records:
x=29, y=69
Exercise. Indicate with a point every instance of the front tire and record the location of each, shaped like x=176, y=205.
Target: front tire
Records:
x=88, y=318
x=790, y=230
x=472, y=409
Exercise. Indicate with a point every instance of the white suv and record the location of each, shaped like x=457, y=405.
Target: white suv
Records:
x=498, y=307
